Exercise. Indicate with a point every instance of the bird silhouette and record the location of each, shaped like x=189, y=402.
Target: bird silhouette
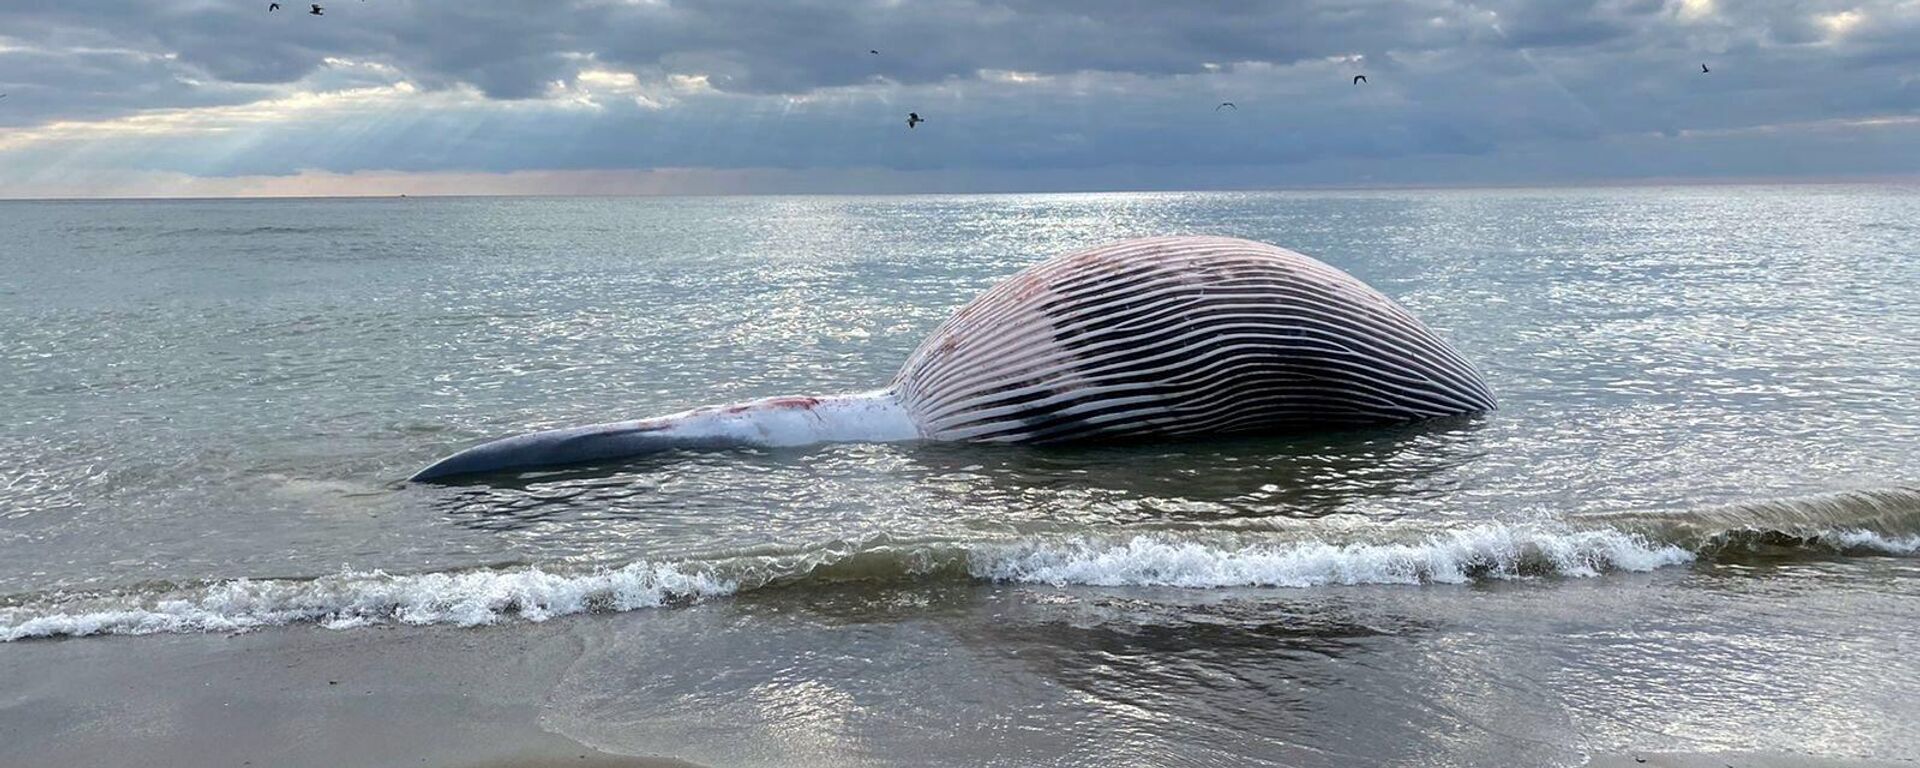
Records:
x=1358, y=79
x=1226, y=105
x=914, y=118
x=317, y=10
x=876, y=53
x=271, y=7
x=1704, y=70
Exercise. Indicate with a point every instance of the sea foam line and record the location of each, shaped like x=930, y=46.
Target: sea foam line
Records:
x=351, y=599
x=1871, y=542
x=1482, y=551
x=491, y=595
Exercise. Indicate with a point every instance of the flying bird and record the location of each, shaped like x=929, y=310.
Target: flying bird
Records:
x=317, y=10
x=271, y=7
x=1704, y=70
x=1358, y=79
x=914, y=118
x=876, y=53
x=1226, y=105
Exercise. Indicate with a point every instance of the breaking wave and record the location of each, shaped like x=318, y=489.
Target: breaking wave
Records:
x=1878, y=522
x=349, y=599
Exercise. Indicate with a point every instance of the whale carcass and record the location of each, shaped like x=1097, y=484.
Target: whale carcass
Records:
x=1156, y=337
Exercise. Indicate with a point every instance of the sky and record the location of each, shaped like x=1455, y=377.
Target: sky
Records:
x=223, y=97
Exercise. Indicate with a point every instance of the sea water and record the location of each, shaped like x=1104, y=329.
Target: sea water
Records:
x=1692, y=523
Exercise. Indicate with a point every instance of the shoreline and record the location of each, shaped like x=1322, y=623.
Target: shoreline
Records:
x=852, y=676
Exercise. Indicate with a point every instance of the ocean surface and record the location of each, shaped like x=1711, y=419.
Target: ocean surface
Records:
x=1693, y=523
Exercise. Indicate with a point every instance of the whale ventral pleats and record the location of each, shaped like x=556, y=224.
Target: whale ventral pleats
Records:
x=1180, y=336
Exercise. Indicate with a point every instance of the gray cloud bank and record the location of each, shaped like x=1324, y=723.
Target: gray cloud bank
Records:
x=1046, y=87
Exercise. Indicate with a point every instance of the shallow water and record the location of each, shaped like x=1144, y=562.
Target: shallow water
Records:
x=1715, y=388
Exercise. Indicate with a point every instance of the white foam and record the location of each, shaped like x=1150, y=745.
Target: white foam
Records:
x=352, y=599
x=1483, y=551
x=1876, y=542
x=1163, y=559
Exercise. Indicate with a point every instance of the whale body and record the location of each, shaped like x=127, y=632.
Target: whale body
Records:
x=1157, y=337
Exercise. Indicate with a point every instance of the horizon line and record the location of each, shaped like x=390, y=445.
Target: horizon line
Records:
x=1598, y=183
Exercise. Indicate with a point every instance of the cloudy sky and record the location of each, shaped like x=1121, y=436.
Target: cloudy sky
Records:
x=214, y=97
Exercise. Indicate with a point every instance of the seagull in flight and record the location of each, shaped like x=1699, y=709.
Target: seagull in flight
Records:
x=1358, y=79
x=876, y=53
x=914, y=118
x=317, y=10
x=1704, y=70
x=1226, y=105
x=271, y=7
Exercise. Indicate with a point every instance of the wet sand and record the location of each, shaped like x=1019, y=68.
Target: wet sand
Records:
x=434, y=697
x=1738, y=760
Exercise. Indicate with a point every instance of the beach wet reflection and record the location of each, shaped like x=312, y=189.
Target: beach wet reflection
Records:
x=1537, y=673
x=968, y=675
x=971, y=675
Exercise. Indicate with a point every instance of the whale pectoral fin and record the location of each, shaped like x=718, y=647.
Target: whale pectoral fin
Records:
x=552, y=448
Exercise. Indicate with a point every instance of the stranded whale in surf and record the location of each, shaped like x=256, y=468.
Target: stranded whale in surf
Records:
x=1164, y=336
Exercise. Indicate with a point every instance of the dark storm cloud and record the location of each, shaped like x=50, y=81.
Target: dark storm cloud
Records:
x=1008, y=83
x=512, y=49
